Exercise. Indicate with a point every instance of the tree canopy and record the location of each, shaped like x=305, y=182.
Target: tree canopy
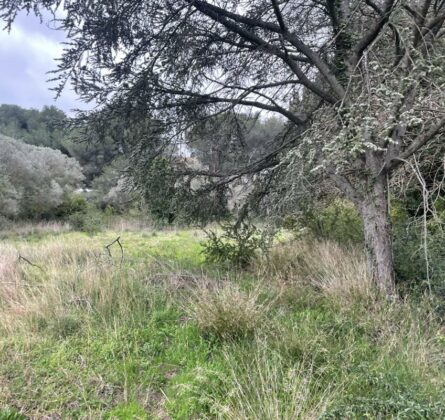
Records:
x=363, y=80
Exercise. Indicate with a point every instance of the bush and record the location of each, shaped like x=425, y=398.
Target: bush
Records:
x=338, y=221
x=237, y=245
x=227, y=312
x=411, y=270
x=5, y=223
x=89, y=221
x=73, y=203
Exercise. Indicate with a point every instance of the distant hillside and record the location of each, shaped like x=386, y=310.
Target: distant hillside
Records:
x=46, y=127
x=40, y=128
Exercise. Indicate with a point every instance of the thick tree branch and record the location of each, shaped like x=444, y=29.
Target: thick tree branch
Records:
x=373, y=33
x=222, y=15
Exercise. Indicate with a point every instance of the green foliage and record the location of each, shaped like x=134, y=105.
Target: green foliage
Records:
x=170, y=198
x=159, y=193
x=419, y=270
x=226, y=142
x=73, y=203
x=36, y=180
x=89, y=220
x=112, y=188
x=237, y=245
x=338, y=221
x=39, y=128
x=48, y=128
x=9, y=414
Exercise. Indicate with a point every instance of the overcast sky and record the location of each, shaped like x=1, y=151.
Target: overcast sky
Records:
x=27, y=53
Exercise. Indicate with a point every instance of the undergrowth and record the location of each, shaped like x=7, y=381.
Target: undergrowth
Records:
x=86, y=334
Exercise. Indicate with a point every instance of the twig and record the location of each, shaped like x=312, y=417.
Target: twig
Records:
x=22, y=258
x=117, y=240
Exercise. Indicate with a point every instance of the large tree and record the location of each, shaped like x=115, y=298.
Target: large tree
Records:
x=372, y=70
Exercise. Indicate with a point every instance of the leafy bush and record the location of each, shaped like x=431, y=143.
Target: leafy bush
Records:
x=89, y=220
x=338, y=221
x=227, y=312
x=237, y=245
x=73, y=203
x=412, y=272
x=159, y=180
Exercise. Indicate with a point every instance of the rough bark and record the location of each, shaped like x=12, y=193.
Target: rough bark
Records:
x=378, y=235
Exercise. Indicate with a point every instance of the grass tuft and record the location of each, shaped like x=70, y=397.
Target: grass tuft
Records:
x=227, y=312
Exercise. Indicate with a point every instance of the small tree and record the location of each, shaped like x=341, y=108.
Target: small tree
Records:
x=371, y=72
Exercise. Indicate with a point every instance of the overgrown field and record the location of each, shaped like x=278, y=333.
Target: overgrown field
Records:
x=159, y=334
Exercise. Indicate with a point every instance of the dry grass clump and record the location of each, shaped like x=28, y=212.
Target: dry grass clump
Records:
x=63, y=276
x=126, y=224
x=408, y=329
x=336, y=271
x=265, y=387
x=227, y=311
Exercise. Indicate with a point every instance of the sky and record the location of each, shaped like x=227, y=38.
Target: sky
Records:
x=27, y=53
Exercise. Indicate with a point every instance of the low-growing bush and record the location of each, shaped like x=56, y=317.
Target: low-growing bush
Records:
x=337, y=221
x=89, y=221
x=237, y=245
x=73, y=203
x=227, y=311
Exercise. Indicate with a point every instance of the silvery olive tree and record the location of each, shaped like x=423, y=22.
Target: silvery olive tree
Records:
x=34, y=180
x=373, y=70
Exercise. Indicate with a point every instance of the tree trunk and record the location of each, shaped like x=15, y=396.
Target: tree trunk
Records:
x=378, y=236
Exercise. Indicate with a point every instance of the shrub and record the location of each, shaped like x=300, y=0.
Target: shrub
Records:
x=338, y=221
x=73, y=203
x=4, y=222
x=237, y=245
x=89, y=221
x=227, y=312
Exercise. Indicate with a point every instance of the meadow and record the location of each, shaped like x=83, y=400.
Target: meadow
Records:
x=155, y=332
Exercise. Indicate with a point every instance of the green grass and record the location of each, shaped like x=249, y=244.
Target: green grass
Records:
x=84, y=337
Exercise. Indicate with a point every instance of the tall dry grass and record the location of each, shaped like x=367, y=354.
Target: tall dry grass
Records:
x=59, y=277
x=336, y=271
x=35, y=228
x=267, y=387
x=226, y=311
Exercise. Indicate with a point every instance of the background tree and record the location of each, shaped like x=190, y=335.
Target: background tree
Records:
x=373, y=68
x=49, y=127
x=229, y=141
x=35, y=180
